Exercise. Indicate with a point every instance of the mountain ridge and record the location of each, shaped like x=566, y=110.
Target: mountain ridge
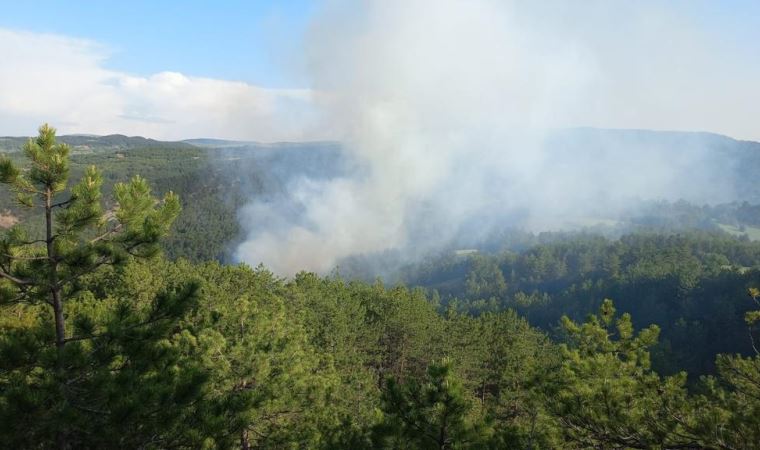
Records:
x=134, y=141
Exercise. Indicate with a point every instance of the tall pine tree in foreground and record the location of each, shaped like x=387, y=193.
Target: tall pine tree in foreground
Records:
x=78, y=237
x=64, y=354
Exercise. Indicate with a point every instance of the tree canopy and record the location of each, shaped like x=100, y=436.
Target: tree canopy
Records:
x=105, y=342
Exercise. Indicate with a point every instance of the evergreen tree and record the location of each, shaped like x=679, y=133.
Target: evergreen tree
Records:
x=729, y=413
x=40, y=275
x=608, y=396
x=263, y=369
x=485, y=278
x=436, y=413
x=508, y=361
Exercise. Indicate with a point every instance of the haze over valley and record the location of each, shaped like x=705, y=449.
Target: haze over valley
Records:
x=382, y=224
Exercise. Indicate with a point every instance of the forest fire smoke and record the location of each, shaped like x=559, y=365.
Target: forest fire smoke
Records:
x=445, y=110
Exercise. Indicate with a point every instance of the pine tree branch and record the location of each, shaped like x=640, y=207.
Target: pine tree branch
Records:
x=752, y=341
x=13, y=279
x=90, y=269
x=28, y=188
x=25, y=296
x=26, y=258
x=90, y=410
x=112, y=231
x=149, y=321
x=36, y=241
x=63, y=203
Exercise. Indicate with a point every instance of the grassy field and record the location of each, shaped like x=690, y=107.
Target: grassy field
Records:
x=752, y=232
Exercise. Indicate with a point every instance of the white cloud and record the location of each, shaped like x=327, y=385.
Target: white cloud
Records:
x=63, y=81
x=610, y=64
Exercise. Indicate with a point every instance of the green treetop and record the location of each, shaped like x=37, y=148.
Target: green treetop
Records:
x=79, y=235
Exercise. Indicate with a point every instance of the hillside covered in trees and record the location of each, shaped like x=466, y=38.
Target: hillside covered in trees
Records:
x=108, y=342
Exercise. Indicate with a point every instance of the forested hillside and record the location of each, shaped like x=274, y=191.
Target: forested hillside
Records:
x=219, y=177
x=691, y=283
x=214, y=182
x=513, y=343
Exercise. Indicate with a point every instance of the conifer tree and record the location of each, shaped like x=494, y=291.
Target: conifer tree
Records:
x=42, y=271
x=78, y=236
x=729, y=416
x=609, y=397
x=435, y=413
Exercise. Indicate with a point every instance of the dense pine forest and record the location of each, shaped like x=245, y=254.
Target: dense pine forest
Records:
x=125, y=323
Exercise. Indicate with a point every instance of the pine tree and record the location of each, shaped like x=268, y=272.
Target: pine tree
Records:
x=263, y=369
x=42, y=272
x=729, y=415
x=435, y=414
x=607, y=395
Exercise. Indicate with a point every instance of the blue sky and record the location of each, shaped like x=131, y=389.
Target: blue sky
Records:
x=257, y=41
x=253, y=41
x=253, y=69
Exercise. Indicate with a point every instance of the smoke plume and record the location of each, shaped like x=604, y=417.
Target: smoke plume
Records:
x=453, y=116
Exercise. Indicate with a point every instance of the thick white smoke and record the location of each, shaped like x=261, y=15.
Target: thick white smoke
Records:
x=445, y=109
